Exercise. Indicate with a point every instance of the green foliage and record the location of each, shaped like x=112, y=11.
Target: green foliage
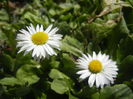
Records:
x=120, y=91
x=72, y=46
x=10, y=81
x=55, y=74
x=26, y=75
x=86, y=26
x=60, y=86
x=61, y=83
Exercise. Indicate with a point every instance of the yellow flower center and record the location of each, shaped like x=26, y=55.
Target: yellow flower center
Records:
x=39, y=38
x=95, y=66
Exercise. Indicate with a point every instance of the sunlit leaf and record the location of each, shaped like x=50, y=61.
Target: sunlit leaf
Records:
x=26, y=75
x=120, y=91
x=10, y=81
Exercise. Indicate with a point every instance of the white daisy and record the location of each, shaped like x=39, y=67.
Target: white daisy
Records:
x=41, y=42
x=99, y=69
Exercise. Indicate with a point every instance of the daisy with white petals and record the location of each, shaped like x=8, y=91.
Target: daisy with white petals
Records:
x=41, y=42
x=99, y=69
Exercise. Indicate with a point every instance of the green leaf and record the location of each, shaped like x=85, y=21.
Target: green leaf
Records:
x=86, y=92
x=61, y=82
x=43, y=96
x=7, y=61
x=1, y=90
x=68, y=65
x=126, y=68
x=61, y=86
x=130, y=2
x=124, y=49
x=66, y=5
x=123, y=26
x=55, y=74
x=3, y=15
x=72, y=97
x=66, y=17
x=120, y=91
x=22, y=91
x=110, y=30
x=52, y=12
x=72, y=46
x=32, y=17
x=26, y=74
x=114, y=39
x=54, y=63
x=2, y=37
x=95, y=95
x=101, y=28
x=10, y=81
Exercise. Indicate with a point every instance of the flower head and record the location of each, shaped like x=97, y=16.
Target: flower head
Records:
x=99, y=69
x=41, y=42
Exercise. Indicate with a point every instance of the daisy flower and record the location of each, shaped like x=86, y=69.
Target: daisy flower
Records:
x=99, y=69
x=39, y=41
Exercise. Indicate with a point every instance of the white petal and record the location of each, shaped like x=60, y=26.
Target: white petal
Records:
x=89, y=56
x=106, y=58
x=41, y=28
x=99, y=56
x=48, y=29
x=54, y=44
x=94, y=56
x=108, y=76
x=85, y=57
x=25, y=32
x=82, y=66
x=103, y=57
x=32, y=28
x=23, y=37
x=43, y=53
x=55, y=37
x=84, y=76
x=105, y=80
x=31, y=48
x=35, y=52
x=30, y=31
x=91, y=80
x=101, y=80
x=37, y=28
x=53, y=31
x=49, y=50
x=82, y=71
x=24, y=47
x=39, y=51
x=19, y=44
x=98, y=80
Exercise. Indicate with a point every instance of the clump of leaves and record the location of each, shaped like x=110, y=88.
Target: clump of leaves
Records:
x=86, y=26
